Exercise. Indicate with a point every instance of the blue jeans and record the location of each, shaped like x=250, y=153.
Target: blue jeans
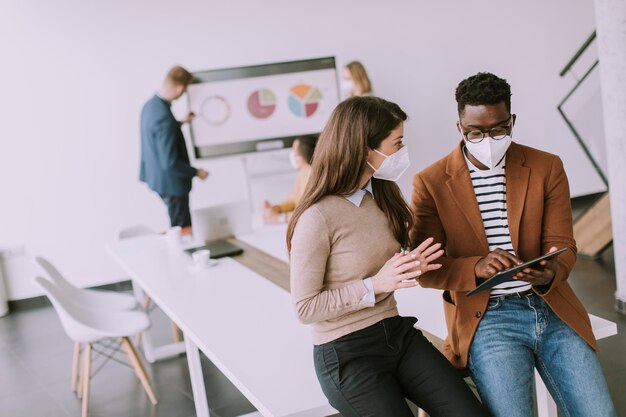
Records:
x=518, y=334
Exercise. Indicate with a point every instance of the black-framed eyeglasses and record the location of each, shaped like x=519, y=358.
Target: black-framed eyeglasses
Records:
x=495, y=133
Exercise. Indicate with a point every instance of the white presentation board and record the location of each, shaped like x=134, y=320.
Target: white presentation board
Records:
x=261, y=107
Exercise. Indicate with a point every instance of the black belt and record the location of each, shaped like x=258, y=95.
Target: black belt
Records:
x=515, y=294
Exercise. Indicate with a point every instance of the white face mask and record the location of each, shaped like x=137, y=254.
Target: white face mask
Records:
x=293, y=160
x=393, y=166
x=489, y=151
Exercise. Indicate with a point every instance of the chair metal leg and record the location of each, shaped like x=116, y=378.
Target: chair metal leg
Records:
x=86, y=378
x=140, y=371
x=75, y=365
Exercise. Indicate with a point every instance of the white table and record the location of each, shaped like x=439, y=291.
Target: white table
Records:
x=271, y=239
x=192, y=299
x=241, y=321
x=425, y=304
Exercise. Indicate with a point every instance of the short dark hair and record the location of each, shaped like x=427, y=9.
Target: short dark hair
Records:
x=483, y=88
x=306, y=147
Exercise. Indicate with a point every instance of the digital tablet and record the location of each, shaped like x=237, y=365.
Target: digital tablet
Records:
x=507, y=274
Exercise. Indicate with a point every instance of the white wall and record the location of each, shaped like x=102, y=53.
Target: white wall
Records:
x=75, y=75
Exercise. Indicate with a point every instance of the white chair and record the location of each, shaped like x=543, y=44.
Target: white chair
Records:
x=138, y=231
x=91, y=299
x=105, y=301
x=92, y=327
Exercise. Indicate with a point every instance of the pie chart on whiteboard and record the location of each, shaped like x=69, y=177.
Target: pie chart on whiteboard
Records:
x=262, y=103
x=304, y=100
x=215, y=110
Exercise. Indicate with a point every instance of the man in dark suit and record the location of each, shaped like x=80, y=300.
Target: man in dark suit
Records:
x=493, y=203
x=164, y=160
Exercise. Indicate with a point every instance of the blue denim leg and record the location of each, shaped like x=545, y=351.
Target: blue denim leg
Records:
x=570, y=369
x=501, y=360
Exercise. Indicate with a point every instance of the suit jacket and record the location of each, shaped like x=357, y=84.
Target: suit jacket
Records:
x=539, y=215
x=164, y=160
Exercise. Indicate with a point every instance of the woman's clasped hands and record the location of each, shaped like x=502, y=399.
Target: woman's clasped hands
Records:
x=404, y=268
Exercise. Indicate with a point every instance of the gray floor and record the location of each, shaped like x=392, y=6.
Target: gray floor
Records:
x=594, y=283
x=35, y=358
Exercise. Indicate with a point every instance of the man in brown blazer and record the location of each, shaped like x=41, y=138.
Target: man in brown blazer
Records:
x=493, y=204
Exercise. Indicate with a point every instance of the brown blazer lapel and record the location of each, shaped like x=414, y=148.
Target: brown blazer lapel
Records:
x=462, y=192
x=517, y=177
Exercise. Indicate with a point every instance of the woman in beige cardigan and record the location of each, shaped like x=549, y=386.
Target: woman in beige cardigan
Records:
x=346, y=240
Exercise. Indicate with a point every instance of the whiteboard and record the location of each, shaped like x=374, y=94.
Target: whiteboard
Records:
x=261, y=107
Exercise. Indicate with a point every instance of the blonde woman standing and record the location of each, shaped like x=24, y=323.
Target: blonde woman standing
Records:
x=346, y=241
x=355, y=81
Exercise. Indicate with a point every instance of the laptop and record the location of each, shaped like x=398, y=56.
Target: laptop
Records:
x=216, y=223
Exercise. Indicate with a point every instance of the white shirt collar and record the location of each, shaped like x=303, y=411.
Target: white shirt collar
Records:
x=356, y=198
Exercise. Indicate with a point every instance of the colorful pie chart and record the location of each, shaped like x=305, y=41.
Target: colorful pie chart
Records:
x=304, y=100
x=262, y=103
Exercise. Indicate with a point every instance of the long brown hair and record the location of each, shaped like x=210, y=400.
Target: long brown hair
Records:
x=360, y=78
x=357, y=125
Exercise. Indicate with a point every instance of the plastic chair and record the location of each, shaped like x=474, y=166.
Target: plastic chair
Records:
x=91, y=299
x=106, y=301
x=138, y=231
x=135, y=231
x=90, y=327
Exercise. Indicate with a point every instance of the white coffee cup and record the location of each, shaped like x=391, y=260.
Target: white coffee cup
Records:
x=174, y=235
x=202, y=257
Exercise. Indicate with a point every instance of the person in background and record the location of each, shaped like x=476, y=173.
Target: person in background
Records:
x=494, y=203
x=345, y=241
x=300, y=157
x=165, y=163
x=355, y=81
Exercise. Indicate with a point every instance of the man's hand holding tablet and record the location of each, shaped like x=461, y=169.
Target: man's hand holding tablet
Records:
x=500, y=266
x=540, y=276
x=495, y=262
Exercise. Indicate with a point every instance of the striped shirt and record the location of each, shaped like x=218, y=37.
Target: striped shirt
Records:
x=490, y=190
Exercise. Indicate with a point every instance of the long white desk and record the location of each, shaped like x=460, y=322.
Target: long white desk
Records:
x=271, y=239
x=242, y=322
x=426, y=305
x=235, y=316
x=423, y=303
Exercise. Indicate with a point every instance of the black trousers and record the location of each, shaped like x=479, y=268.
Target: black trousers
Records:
x=370, y=373
x=178, y=210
